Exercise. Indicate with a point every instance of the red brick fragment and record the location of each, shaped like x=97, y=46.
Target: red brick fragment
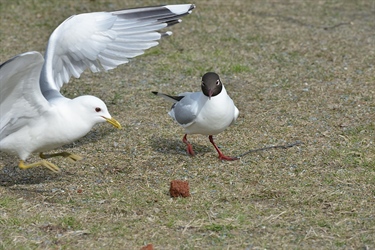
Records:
x=148, y=247
x=179, y=188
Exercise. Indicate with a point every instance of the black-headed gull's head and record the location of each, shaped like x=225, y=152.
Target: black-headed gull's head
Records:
x=211, y=84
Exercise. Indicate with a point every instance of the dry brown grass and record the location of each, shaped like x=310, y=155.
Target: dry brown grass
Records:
x=297, y=70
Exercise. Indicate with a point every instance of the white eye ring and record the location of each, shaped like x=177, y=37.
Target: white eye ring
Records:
x=217, y=82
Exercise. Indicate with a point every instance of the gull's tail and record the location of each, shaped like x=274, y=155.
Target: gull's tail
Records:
x=170, y=98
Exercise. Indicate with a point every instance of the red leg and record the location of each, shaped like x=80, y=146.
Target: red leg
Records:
x=189, y=148
x=221, y=155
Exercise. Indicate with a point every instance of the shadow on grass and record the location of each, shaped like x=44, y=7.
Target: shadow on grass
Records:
x=168, y=146
x=12, y=175
x=93, y=136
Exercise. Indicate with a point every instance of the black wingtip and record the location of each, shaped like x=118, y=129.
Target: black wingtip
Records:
x=191, y=8
x=173, y=22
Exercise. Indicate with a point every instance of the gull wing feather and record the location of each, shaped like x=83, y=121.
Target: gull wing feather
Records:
x=186, y=110
x=20, y=94
x=103, y=40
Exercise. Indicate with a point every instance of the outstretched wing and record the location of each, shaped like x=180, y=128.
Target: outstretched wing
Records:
x=104, y=40
x=20, y=94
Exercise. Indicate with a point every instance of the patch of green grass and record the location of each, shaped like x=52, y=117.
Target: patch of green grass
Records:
x=6, y=202
x=218, y=227
x=70, y=223
x=340, y=244
x=239, y=68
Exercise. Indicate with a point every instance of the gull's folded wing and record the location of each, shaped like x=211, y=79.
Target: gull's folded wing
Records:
x=20, y=94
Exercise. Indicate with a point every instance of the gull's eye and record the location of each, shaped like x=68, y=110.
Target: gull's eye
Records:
x=98, y=109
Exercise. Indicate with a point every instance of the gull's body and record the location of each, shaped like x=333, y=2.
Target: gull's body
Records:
x=34, y=116
x=208, y=112
x=199, y=114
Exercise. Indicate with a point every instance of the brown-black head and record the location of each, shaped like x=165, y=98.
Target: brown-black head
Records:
x=211, y=84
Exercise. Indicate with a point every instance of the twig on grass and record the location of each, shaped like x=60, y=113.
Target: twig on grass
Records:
x=337, y=25
x=271, y=147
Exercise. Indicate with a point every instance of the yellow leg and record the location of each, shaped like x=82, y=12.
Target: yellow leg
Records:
x=43, y=163
x=70, y=156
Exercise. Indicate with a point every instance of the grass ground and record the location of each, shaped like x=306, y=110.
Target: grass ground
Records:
x=297, y=70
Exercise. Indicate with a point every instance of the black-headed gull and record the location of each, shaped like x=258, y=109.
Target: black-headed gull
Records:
x=208, y=112
x=35, y=117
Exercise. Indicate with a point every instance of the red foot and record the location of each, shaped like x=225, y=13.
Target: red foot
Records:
x=221, y=155
x=227, y=158
x=189, y=148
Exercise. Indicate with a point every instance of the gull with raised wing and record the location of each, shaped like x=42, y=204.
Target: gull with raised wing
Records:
x=34, y=116
x=208, y=112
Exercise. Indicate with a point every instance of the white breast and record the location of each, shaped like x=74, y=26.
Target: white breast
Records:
x=215, y=116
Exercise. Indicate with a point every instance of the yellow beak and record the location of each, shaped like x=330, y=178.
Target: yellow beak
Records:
x=113, y=122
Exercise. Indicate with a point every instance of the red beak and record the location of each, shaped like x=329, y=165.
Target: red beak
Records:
x=210, y=92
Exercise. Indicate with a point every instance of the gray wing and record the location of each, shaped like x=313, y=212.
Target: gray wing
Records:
x=103, y=41
x=20, y=94
x=186, y=110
